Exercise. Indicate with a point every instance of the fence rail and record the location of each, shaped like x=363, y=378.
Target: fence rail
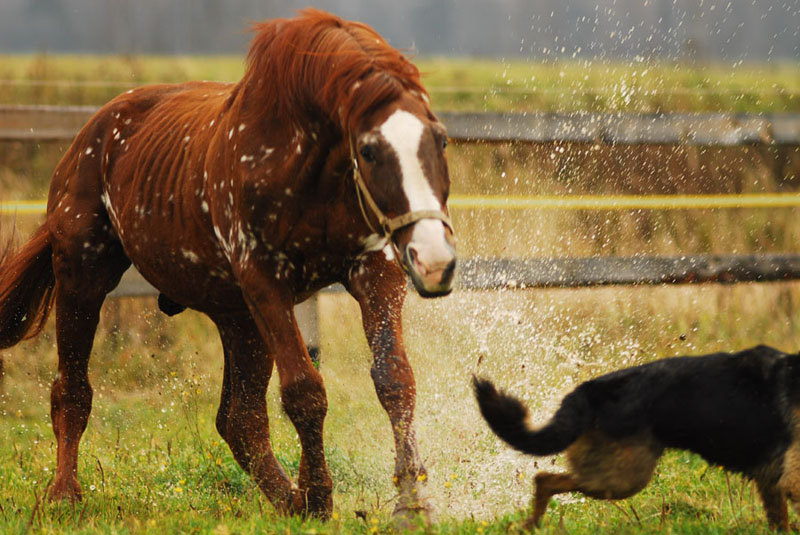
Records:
x=61, y=123
x=496, y=273
x=515, y=273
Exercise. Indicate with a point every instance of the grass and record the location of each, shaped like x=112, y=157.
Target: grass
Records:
x=151, y=460
x=455, y=84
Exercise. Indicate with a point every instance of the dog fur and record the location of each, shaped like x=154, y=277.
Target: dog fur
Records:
x=740, y=411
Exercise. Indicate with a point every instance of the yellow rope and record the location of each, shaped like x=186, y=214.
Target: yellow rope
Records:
x=23, y=207
x=567, y=202
x=623, y=202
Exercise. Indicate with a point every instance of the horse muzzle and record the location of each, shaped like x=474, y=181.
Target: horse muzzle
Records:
x=431, y=264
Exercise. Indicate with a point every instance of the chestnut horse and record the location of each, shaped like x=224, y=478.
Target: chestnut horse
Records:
x=323, y=164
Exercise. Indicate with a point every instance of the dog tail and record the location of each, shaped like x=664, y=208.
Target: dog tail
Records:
x=507, y=417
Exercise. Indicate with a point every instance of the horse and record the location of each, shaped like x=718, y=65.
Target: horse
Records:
x=324, y=164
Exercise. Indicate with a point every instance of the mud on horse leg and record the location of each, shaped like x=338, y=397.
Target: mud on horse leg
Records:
x=380, y=290
x=242, y=418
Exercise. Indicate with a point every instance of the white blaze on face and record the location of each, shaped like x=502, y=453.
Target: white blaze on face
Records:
x=403, y=132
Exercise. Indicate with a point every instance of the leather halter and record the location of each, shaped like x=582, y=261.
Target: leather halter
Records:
x=387, y=226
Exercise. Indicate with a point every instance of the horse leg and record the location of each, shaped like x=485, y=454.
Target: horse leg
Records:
x=395, y=385
x=305, y=402
x=71, y=394
x=82, y=282
x=242, y=418
x=302, y=392
x=381, y=301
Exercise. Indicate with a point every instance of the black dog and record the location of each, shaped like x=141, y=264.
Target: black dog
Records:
x=740, y=411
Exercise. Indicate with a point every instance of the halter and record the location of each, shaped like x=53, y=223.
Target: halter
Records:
x=388, y=226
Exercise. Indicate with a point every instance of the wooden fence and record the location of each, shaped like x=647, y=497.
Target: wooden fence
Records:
x=60, y=124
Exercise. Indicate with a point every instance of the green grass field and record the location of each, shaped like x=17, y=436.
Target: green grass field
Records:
x=151, y=461
x=454, y=84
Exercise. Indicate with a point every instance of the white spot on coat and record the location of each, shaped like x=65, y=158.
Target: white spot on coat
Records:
x=388, y=251
x=190, y=255
x=373, y=242
x=265, y=152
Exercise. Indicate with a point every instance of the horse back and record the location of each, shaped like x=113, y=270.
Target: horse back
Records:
x=137, y=169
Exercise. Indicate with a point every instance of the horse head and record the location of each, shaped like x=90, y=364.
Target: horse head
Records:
x=402, y=182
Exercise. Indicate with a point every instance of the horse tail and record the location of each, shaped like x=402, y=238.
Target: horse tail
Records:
x=507, y=417
x=27, y=288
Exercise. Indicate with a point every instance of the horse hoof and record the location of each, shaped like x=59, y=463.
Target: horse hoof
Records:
x=297, y=503
x=315, y=501
x=319, y=501
x=65, y=490
x=412, y=516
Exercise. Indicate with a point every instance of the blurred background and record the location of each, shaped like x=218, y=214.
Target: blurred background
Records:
x=151, y=450
x=756, y=30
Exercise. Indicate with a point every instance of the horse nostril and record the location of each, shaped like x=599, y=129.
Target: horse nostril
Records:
x=447, y=274
x=412, y=255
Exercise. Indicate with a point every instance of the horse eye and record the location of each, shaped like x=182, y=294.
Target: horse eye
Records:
x=368, y=153
x=444, y=142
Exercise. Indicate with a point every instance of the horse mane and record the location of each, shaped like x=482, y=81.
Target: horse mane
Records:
x=327, y=66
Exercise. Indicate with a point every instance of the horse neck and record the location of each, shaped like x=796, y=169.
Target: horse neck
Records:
x=330, y=166
x=328, y=158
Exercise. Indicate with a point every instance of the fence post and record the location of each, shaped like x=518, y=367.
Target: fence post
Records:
x=307, y=315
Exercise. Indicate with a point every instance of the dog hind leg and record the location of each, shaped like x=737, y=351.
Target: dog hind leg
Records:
x=789, y=481
x=600, y=467
x=612, y=469
x=548, y=485
x=774, y=499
